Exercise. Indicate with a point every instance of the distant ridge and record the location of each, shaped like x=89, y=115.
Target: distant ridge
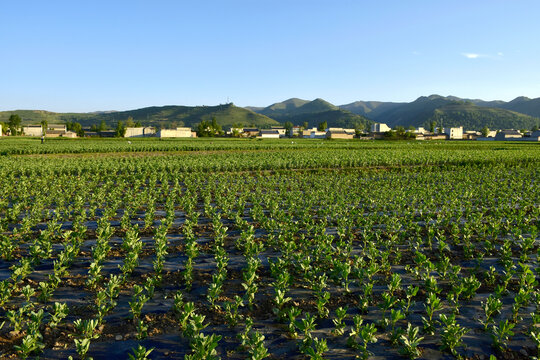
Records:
x=453, y=111
x=283, y=108
x=163, y=116
x=298, y=112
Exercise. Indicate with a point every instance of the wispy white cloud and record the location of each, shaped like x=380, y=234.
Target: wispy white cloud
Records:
x=485, y=56
x=473, y=55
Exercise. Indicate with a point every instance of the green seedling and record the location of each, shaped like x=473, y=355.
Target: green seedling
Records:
x=395, y=334
x=452, y=334
x=292, y=313
x=29, y=345
x=432, y=304
x=204, y=347
x=410, y=341
x=140, y=353
x=501, y=334
x=280, y=300
x=491, y=307
x=231, y=310
x=410, y=293
x=341, y=313
x=142, y=329
x=361, y=336
x=316, y=351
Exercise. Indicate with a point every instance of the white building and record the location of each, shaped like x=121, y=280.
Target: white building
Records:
x=281, y=130
x=69, y=134
x=140, y=131
x=313, y=133
x=420, y=130
x=180, y=132
x=508, y=134
x=337, y=133
x=0, y=129
x=454, y=133
x=33, y=130
x=269, y=134
x=379, y=127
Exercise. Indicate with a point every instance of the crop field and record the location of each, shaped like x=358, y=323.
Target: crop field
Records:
x=279, y=249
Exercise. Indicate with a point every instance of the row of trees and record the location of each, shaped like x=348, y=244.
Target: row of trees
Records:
x=399, y=133
x=209, y=128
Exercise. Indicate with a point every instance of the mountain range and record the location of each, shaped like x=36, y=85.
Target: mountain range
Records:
x=162, y=116
x=520, y=113
x=472, y=114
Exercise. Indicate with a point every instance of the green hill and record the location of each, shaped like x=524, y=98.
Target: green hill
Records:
x=296, y=106
x=333, y=118
x=414, y=113
x=315, y=106
x=32, y=116
x=524, y=105
x=283, y=108
x=369, y=108
x=449, y=111
x=473, y=117
x=162, y=116
x=298, y=111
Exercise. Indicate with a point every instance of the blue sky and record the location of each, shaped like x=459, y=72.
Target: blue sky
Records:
x=119, y=55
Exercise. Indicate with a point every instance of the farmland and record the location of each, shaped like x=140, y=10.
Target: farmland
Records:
x=235, y=249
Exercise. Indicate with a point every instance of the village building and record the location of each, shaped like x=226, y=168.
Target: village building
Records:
x=179, y=132
x=511, y=135
x=281, y=130
x=508, y=135
x=269, y=134
x=434, y=136
x=454, y=133
x=335, y=133
x=471, y=135
x=490, y=136
x=380, y=128
x=52, y=131
x=69, y=134
x=0, y=129
x=33, y=130
x=534, y=136
x=140, y=131
x=250, y=132
x=313, y=133
x=107, y=133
